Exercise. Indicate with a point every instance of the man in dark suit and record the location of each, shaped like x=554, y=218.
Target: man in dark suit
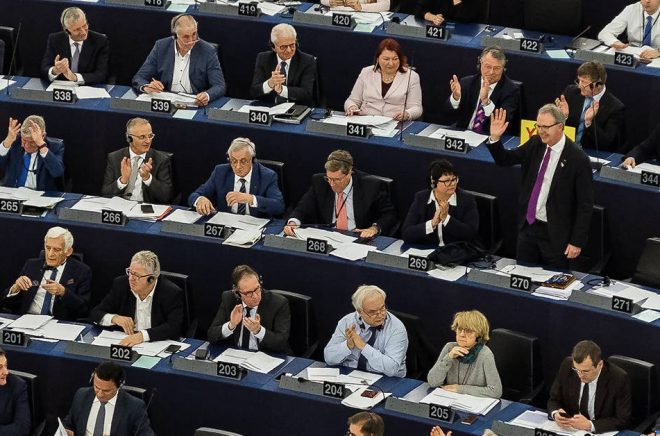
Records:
x=473, y=98
x=154, y=168
x=646, y=150
x=105, y=409
x=144, y=305
x=443, y=214
x=285, y=73
x=33, y=161
x=590, y=394
x=349, y=199
x=597, y=115
x=243, y=186
x=76, y=53
x=14, y=408
x=556, y=199
x=182, y=63
x=251, y=317
x=55, y=285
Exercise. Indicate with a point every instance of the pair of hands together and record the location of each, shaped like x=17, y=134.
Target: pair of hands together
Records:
x=201, y=99
x=252, y=323
x=205, y=207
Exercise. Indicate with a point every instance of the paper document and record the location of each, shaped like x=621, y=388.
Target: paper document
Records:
x=463, y=402
x=647, y=315
x=367, y=120
x=183, y=216
x=530, y=419
x=86, y=92
x=45, y=202
x=21, y=193
x=653, y=302
x=5, y=83
x=599, y=161
x=159, y=211
x=645, y=167
x=29, y=321
x=280, y=109
x=322, y=374
x=352, y=251
x=91, y=204
x=234, y=355
x=62, y=331
x=473, y=139
x=61, y=431
x=449, y=274
x=244, y=238
x=270, y=9
x=556, y=293
x=417, y=252
x=245, y=222
x=121, y=204
x=537, y=274
x=253, y=361
x=359, y=401
x=187, y=99
x=334, y=238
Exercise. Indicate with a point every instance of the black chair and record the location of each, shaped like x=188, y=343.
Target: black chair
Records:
x=216, y=46
x=8, y=36
x=190, y=320
x=644, y=386
x=596, y=254
x=421, y=354
x=558, y=16
x=389, y=187
x=177, y=196
x=34, y=400
x=303, y=339
x=207, y=431
x=518, y=361
x=141, y=393
x=647, y=272
x=278, y=167
x=318, y=97
x=2, y=56
x=489, y=220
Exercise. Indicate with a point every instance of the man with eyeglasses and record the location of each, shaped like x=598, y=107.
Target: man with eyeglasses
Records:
x=33, y=160
x=556, y=198
x=242, y=186
x=144, y=305
x=597, y=115
x=285, y=73
x=590, y=394
x=139, y=172
x=345, y=199
x=371, y=338
x=250, y=316
x=76, y=54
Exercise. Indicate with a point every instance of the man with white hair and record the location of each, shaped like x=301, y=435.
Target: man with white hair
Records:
x=242, y=186
x=76, y=53
x=371, y=338
x=285, y=73
x=55, y=284
x=146, y=306
x=182, y=63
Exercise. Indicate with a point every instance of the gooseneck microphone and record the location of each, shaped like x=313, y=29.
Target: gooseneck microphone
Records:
x=13, y=54
x=405, y=100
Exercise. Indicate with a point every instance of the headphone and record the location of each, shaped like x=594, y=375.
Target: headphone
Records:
x=437, y=168
x=119, y=382
x=492, y=49
x=595, y=84
x=65, y=12
x=246, y=141
x=175, y=20
x=151, y=279
x=239, y=273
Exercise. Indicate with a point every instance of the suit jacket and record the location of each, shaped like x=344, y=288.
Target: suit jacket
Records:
x=468, y=11
x=92, y=63
x=571, y=197
x=159, y=191
x=166, y=309
x=648, y=149
x=300, y=80
x=275, y=318
x=204, y=69
x=505, y=95
x=49, y=168
x=367, y=94
x=76, y=279
x=610, y=120
x=463, y=223
x=371, y=203
x=14, y=408
x=263, y=185
x=130, y=416
x=612, y=406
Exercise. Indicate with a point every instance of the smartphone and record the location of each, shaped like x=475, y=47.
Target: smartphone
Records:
x=469, y=419
x=565, y=415
x=172, y=349
x=369, y=394
x=147, y=208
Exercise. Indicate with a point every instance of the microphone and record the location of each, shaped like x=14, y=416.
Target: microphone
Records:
x=146, y=411
x=202, y=353
x=13, y=54
x=573, y=45
x=405, y=100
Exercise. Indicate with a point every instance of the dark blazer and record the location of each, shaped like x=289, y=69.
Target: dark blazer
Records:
x=463, y=222
x=648, y=149
x=275, y=318
x=49, y=168
x=166, y=310
x=14, y=408
x=204, y=70
x=506, y=95
x=263, y=185
x=612, y=405
x=92, y=63
x=159, y=191
x=130, y=416
x=610, y=120
x=74, y=304
x=468, y=11
x=371, y=203
x=571, y=197
x=301, y=77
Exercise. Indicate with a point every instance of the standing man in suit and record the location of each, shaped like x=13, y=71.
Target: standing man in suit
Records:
x=346, y=198
x=243, y=186
x=597, y=115
x=105, y=409
x=474, y=98
x=646, y=150
x=590, y=394
x=640, y=23
x=285, y=73
x=76, y=53
x=250, y=316
x=144, y=305
x=55, y=285
x=34, y=161
x=154, y=168
x=14, y=409
x=182, y=63
x=556, y=198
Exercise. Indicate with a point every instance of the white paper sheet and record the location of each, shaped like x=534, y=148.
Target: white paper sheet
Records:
x=46, y=202
x=136, y=212
x=262, y=363
x=5, y=83
x=305, y=233
x=449, y=274
x=653, y=302
x=367, y=120
x=647, y=315
x=473, y=139
x=352, y=251
x=537, y=274
x=322, y=374
x=62, y=331
x=417, y=252
x=645, y=167
x=244, y=238
x=356, y=400
x=270, y=9
x=94, y=204
x=86, y=92
x=61, y=430
x=121, y=204
x=183, y=216
x=29, y=321
x=245, y=222
x=464, y=402
x=275, y=110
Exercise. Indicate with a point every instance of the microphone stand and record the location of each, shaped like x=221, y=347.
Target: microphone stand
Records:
x=405, y=101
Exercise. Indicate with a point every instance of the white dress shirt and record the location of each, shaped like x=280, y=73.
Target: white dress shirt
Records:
x=555, y=150
x=632, y=20
x=254, y=344
x=40, y=296
x=285, y=91
x=142, y=316
x=79, y=77
x=429, y=225
x=181, y=73
x=94, y=411
x=31, y=181
x=136, y=195
x=488, y=109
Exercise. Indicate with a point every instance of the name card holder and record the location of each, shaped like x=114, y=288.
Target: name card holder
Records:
x=489, y=278
x=509, y=429
x=422, y=410
x=132, y=105
x=33, y=95
x=233, y=116
x=315, y=126
x=206, y=367
x=89, y=350
x=454, y=146
x=626, y=176
x=322, y=20
x=529, y=45
x=309, y=387
x=224, y=9
x=394, y=261
x=157, y=4
x=603, y=302
x=427, y=32
x=292, y=244
x=606, y=58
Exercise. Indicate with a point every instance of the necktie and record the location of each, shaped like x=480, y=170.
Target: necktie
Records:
x=45, y=308
x=279, y=99
x=647, y=31
x=580, y=130
x=245, y=341
x=479, y=119
x=534, y=197
x=362, y=361
x=242, y=208
x=133, y=178
x=584, y=401
x=22, y=177
x=100, y=420
x=342, y=215
x=75, y=57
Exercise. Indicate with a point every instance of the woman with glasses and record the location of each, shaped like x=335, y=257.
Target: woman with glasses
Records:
x=388, y=85
x=467, y=366
x=443, y=213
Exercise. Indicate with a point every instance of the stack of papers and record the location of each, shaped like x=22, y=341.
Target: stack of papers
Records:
x=471, y=138
x=538, y=419
x=132, y=209
x=109, y=337
x=244, y=238
x=380, y=125
x=359, y=401
x=82, y=92
x=334, y=238
x=183, y=216
x=243, y=222
x=463, y=402
x=188, y=100
x=279, y=109
x=537, y=274
x=253, y=361
x=625, y=290
x=31, y=322
x=44, y=326
x=352, y=251
x=448, y=273
x=556, y=293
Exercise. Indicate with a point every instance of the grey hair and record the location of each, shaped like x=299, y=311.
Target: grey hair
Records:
x=71, y=14
x=181, y=21
x=496, y=52
x=149, y=260
x=363, y=292
x=136, y=121
x=37, y=119
x=241, y=143
x=553, y=110
x=282, y=30
x=57, y=232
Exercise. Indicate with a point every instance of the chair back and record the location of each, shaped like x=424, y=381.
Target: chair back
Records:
x=190, y=320
x=303, y=339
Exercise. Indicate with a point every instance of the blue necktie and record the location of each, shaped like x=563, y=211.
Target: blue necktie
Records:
x=647, y=31
x=362, y=361
x=45, y=309
x=242, y=208
x=279, y=99
x=580, y=130
x=22, y=177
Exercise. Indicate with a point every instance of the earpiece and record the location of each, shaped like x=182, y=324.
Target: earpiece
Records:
x=174, y=21
x=151, y=279
x=129, y=138
x=595, y=84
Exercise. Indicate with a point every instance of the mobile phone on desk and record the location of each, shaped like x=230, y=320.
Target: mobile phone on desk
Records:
x=469, y=419
x=147, y=208
x=369, y=394
x=172, y=349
